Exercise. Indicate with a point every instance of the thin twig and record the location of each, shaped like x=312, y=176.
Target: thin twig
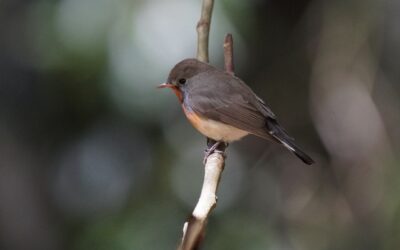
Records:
x=228, y=54
x=203, y=30
x=194, y=228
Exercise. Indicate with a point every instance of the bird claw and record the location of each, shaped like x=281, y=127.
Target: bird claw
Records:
x=211, y=150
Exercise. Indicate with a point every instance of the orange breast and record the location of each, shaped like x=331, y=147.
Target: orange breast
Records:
x=213, y=129
x=194, y=119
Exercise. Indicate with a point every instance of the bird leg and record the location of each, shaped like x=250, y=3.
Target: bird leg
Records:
x=214, y=147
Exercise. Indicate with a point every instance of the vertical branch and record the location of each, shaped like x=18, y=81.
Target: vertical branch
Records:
x=194, y=228
x=228, y=54
x=203, y=30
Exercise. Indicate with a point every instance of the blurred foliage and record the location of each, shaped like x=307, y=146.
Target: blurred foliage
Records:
x=93, y=156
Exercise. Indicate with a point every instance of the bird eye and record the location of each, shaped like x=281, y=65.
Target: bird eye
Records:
x=182, y=81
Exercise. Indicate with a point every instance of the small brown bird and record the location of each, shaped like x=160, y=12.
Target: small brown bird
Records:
x=222, y=107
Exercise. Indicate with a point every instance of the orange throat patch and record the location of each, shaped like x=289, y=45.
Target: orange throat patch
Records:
x=178, y=93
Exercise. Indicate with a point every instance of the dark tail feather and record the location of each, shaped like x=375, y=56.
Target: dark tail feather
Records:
x=299, y=153
x=279, y=134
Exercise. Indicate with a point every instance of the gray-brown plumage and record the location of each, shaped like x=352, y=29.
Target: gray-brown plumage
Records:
x=223, y=107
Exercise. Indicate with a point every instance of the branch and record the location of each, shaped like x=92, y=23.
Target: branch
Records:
x=228, y=54
x=203, y=30
x=194, y=228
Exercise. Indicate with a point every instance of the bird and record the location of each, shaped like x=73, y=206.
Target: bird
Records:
x=223, y=108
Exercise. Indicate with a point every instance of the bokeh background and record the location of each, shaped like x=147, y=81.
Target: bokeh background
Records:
x=93, y=156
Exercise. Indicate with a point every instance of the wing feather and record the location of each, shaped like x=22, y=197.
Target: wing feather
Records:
x=230, y=102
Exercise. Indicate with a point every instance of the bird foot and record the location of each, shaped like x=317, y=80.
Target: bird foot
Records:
x=214, y=149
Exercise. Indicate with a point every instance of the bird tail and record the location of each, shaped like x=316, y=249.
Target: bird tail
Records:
x=280, y=135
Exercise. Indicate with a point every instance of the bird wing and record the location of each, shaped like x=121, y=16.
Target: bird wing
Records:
x=264, y=108
x=227, y=99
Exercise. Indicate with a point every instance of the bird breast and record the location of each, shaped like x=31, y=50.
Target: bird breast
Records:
x=213, y=129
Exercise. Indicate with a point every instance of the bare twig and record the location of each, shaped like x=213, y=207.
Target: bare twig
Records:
x=193, y=229
x=203, y=30
x=228, y=54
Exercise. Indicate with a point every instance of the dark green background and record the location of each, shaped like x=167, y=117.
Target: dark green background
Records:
x=93, y=156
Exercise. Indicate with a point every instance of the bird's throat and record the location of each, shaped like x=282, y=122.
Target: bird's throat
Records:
x=178, y=93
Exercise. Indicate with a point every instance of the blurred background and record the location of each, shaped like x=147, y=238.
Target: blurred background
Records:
x=93, y=156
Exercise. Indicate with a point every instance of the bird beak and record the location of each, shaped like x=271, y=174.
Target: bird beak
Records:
x=166, y=85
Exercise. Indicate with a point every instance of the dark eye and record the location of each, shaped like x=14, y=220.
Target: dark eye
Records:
x=182, y=81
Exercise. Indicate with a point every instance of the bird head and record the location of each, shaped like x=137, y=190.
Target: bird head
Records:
x=180, y=77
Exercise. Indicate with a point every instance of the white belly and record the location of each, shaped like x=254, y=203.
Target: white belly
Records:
x=219, y=131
